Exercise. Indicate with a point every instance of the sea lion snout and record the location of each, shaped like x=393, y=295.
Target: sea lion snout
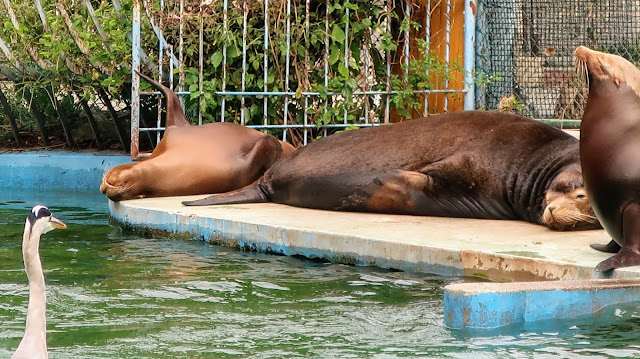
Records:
x=566, y=203
x=569, y=211
x=117, y=185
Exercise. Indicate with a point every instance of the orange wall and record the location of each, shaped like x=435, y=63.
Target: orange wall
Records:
x=438, y=27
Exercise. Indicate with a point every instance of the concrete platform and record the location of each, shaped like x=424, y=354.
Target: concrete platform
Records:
x=500, y=251
x=492, y=305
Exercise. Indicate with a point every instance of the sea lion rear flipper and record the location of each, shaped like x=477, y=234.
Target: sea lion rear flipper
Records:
x=175, y=115
x=629, y=254
x=611, y=247
x=247, y=194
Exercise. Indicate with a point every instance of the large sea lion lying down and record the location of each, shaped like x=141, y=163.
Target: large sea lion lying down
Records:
x=610, y=151
x=212, y=158
x=473, y=164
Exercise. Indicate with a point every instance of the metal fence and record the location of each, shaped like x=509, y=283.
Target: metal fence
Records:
x=525, y=48
x=302, y=69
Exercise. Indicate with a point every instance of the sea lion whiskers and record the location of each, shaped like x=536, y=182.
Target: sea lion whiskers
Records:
x=581, y=70
x=566, y=219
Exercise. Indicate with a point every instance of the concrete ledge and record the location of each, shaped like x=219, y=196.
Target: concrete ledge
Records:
x=497, y=250
x=56, y=169
x=492, y=305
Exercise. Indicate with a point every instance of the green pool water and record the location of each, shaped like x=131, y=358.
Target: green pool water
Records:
x=115, y=294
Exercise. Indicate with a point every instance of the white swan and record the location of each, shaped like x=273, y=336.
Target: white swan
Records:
x=34, y=342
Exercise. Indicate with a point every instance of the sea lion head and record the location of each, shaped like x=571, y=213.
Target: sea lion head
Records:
x=122, y=182
x=566, y=204
x=604, y=71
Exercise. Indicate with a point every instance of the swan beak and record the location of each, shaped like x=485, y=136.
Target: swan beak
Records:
x=56, y=223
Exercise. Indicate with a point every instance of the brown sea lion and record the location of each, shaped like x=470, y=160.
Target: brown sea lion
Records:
x=610, y=151
x=475, y=164
x=212, y=158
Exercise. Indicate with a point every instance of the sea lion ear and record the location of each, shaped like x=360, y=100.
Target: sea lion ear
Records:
x=616, y=80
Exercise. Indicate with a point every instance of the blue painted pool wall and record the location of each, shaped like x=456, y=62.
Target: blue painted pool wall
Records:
x=56, y=169
x=497, y=309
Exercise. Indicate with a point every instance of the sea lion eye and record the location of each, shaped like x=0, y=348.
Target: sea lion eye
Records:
x=581, y=196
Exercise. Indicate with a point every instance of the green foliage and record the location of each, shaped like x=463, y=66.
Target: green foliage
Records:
x=336, y=49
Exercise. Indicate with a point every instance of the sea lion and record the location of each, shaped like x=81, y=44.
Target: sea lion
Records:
x=475, y=164
x=610, y=151
x=212, y=158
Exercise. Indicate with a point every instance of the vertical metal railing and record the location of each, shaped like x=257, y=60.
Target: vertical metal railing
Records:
x=375, y=103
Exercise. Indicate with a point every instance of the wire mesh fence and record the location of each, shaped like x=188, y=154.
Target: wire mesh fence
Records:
x=302, y=69
x=525, y=48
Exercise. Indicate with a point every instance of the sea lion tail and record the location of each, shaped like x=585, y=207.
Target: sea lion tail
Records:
x=251, y=193
x=175, y=115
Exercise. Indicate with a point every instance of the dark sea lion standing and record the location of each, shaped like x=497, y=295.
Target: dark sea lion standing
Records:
x=212, y=158
x=610, y=151
x=475, y=164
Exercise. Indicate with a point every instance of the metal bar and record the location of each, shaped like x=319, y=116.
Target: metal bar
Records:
x=407, y=53
x=160, y=67
x=326, y=57
x=427, y=27
x=200, y=64
x=327, y=126
x=335, y=125
x=266, y=57
x=181, y=53
x=305, y=115
x=245, y=14
x=155, y=27
x=143, y=56
x=346, y=52
x=366, y=46
x=286, y=76
x=135, y=81
x=447, y=52
x=308, y=93
x=390, y=4
x=315, y=93
x=481, y=24
x=225, y=26
x=469, y=54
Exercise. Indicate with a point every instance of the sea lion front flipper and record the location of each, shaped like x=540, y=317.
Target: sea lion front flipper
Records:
x=264, y=153
x=629, y=254
x=396, y=192
x=611, y=247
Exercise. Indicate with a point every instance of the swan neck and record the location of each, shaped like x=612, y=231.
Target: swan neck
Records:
x=36, y=310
